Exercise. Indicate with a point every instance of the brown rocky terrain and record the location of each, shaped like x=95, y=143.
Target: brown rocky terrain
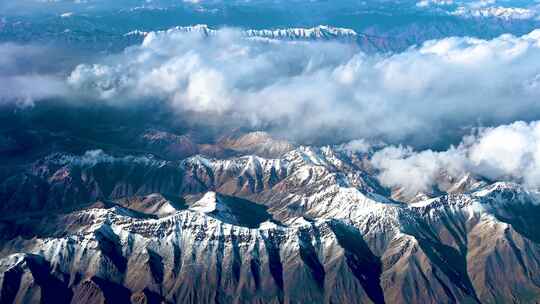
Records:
x=310, y=226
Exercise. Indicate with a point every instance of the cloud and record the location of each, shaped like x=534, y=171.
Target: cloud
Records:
x=26, y=89
x=417, y=171
x=93, y=157
x=509, y=152
x=326, y=89
x=504, y=153
x=26, y=75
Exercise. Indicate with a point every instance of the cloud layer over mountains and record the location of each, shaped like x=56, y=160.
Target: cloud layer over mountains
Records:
x=325, y=91
x=25, y=76
x=504, y=153
x=316, y=89
x=310, y=91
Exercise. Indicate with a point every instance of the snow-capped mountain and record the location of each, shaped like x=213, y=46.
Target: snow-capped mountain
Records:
x=321, y=32
x=313, y=225
x=269, y=151
x=505, y=13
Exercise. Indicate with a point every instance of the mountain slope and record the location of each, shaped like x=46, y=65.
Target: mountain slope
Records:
x=311, y=226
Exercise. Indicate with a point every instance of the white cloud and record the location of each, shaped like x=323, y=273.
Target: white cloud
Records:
x=311, y=89
x=66, y=15
x=504, y=153
x=93, y=157
x=417, y=171
x=24, y=77
x=510, y=151
x=24, y=90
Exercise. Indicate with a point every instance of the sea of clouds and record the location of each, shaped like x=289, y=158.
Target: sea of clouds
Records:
x=326, y=89
x=330, y=91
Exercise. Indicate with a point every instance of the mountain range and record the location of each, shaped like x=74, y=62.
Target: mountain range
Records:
x=303, y=224
x=269, y=151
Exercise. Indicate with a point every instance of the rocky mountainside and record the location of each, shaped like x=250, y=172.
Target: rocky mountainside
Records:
x=310, y=226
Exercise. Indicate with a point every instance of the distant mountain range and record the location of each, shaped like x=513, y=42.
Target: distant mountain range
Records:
x=316, y=33
x=392, y=33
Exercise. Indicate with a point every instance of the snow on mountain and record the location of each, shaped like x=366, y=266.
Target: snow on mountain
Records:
x=310, y=226
x=506, y=13
x=321, y=32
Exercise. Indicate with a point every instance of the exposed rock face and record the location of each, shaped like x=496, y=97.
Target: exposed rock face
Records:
x=169, y=145
x=312, y=226
x=175, y=147
x=258, y=143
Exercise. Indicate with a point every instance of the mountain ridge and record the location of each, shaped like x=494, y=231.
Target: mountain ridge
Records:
x=331, y=234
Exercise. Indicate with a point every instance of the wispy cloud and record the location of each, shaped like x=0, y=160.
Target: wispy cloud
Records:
x=26, y=75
